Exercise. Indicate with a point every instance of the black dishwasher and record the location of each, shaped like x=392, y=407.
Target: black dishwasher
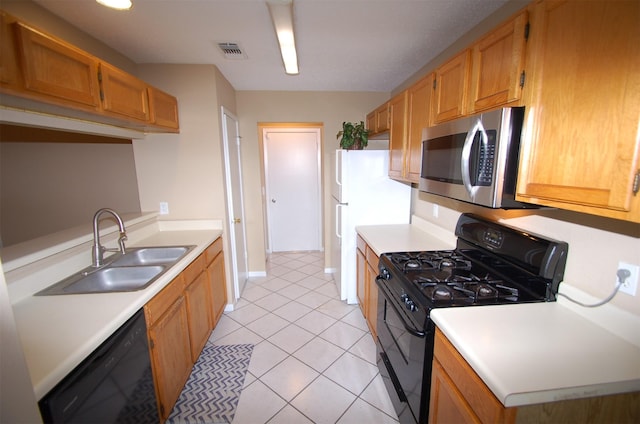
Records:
x=113, y=385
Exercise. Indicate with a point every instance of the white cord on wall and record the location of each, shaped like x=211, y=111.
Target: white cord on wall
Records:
x=622, y=274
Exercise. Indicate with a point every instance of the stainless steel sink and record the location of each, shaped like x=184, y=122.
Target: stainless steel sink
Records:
x=152, y=255
x=108, y=279
x=135, y=270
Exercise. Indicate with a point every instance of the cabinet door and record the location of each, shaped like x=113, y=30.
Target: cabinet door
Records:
x=446, y=403
x=372, y=299
x=198, y=306
x=419, y=109
x=382, y=118
x=361, y=276
x=580, y=141
x=170, y=355
x=163, y=108
x=397, y=135
x=8, y=58
x=123, y=94
x=218, y=288
x=451, y=88
x=371, y=122
x=57, y=72
x=498, y=64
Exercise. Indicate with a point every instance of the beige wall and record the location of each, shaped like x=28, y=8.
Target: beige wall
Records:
x=185, y=169
x=329, y=108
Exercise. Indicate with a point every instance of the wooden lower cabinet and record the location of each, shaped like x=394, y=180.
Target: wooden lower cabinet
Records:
x=198, y=306
x=367, y=290
x=218, y=287
x=171, y=360
x=179, y=322
x=458, y=395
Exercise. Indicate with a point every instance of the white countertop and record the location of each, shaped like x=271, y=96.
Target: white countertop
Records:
x=405, y=237
x=540, y=352
x=58, y=332
x=525, y=353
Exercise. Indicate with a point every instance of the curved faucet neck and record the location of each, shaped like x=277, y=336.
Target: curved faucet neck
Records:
x=97, y=249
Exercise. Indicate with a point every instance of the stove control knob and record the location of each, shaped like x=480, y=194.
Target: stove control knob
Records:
x=410, y=305
x=384, y=273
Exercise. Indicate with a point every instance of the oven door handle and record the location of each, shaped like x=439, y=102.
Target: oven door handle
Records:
x=411, y=329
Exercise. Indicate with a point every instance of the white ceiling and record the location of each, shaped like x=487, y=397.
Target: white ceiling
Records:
x=343, y=45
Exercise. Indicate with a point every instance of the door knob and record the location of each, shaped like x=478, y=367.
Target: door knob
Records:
x=236, y=220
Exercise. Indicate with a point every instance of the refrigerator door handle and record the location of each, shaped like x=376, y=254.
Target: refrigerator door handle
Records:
x=338, y=221
x=338, y=173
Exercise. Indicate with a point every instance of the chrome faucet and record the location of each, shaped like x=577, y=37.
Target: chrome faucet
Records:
x=98, y=250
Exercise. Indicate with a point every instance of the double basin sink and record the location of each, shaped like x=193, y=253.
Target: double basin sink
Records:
x=135, y=270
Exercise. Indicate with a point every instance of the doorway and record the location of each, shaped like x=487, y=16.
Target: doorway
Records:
x=292, y=187
x=235, y=205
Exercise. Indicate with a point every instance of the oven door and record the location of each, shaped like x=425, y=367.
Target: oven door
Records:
x=401, y=355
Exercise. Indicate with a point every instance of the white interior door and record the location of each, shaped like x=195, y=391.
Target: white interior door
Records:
x=293, y=195
x=235, y=212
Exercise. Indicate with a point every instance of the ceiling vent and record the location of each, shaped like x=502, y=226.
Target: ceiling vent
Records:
x=232, y=51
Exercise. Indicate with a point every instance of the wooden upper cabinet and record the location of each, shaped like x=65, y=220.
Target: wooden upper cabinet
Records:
x=123, y=94
x=163, y=108
x=60, y=72
x=8, y=59
x=498, y=65
x=397, y=135
x=378, y=121
x=451, y=88
x=419, y=108
x=580, y=142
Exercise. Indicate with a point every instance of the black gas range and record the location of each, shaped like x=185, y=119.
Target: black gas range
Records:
x=492, y=264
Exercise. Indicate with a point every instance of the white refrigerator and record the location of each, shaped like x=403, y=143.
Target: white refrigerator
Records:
x=362, y=194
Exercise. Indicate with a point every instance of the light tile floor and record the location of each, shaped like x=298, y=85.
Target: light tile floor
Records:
x=314, y=357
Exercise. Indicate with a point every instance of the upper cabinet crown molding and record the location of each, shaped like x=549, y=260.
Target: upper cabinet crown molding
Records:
x=42, y=73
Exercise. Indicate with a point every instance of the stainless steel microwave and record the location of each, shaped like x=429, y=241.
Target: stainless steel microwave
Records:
x=475, y=158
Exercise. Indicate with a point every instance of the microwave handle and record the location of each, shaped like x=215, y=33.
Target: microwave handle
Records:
x=465, y=160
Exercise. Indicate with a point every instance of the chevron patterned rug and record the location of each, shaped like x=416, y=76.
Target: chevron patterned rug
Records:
x=213, y=389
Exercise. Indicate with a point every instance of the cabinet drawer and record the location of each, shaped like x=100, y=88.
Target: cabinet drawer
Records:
x=483, y=403
x=194, y=269
x=372, y=258
x=362, y=245
x=213, y=250
x=157, y=306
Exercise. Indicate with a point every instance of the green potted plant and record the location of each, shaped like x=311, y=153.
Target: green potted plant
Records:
x=353, y=136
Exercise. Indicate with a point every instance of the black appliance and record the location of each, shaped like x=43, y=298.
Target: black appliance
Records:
x=492, y=264
x=113, y=385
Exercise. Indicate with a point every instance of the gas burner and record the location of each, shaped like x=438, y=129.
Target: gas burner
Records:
x=412, y=265
x=442, y=292
x=486, y=291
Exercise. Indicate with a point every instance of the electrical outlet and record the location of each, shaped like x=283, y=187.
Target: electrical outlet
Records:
x=630, y=285
x=436, y=211
x=164, y=208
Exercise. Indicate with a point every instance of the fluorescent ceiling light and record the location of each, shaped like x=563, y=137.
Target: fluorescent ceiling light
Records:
x=282, y=16
x=116, y=4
